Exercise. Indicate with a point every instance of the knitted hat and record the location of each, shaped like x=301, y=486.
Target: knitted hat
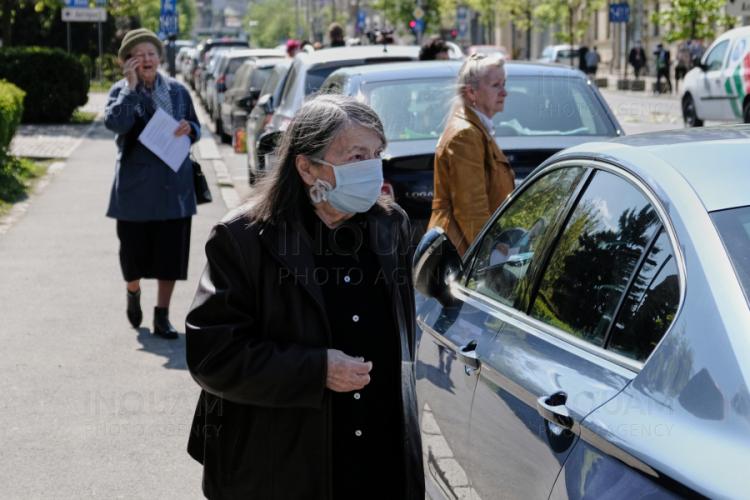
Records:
x=134, y=37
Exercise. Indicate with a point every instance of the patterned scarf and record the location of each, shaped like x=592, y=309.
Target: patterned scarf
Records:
x=160, y=95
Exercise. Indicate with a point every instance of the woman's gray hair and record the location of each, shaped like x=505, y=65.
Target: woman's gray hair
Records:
x=311, y=132
x=474, y=69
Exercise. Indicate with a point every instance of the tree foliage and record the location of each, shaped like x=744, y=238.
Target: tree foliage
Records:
x=400, y=12
x=693, y=19
x=572, y=16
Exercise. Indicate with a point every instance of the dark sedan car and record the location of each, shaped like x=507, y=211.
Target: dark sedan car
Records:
x=548, y=108
x=305, y=77
x=242, y=97
x=593, y=341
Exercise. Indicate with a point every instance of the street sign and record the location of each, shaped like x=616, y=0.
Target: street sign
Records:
x=77, y=4
x=738, y=8
x=619, y=13
x=462, y=14
x=81, y=15
x=361, y=20
x=168, y=18
x=419, y=25
x=418, y=12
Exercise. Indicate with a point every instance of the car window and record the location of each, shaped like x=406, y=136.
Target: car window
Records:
x=412, y=109
x=715, y=58
x=734, y=229
x=650, y=304
x=258, y=78
x=551, y=106
x=316, y=76
x=289, y=84
x=242, y=76
x=595, y=257
x=511, y=243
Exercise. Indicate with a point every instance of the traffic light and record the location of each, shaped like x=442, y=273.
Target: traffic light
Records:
x=413, y=26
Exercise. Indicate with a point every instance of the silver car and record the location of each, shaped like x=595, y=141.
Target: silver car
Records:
x=590, y=344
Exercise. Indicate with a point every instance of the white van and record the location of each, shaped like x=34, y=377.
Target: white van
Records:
x=718, y=88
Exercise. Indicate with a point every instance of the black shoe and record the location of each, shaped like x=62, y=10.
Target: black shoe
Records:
x=135, y=315
x=162, y=326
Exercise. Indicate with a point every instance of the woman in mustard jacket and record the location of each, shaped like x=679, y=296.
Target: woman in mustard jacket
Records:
x=472, y=175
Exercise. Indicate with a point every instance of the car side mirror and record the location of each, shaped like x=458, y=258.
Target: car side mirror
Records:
x=248, y=102
x=266, y=103
x=436, y=264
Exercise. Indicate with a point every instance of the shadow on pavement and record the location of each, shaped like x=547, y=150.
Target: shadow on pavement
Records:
x=172, y=350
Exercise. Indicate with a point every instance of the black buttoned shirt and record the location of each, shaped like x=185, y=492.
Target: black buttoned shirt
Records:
x=366, y=427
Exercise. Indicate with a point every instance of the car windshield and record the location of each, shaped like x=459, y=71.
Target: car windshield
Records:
x=550, y=106
x=734, y=228
x=316, y=76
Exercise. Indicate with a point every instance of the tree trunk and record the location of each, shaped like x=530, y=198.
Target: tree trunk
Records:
x=528, y=35
x=7, y=12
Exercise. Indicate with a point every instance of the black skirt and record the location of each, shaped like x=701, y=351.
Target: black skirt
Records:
x=154, y=249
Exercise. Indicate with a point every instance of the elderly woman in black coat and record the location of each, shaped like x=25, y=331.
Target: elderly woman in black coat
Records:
x=301, y=334
x=152, y=203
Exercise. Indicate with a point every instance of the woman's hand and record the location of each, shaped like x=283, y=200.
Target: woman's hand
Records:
x=346, y=373
x=183, y=128
x=130, y=69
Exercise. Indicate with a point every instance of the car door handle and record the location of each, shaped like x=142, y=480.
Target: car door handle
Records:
x=552, y=408
x=468, y=356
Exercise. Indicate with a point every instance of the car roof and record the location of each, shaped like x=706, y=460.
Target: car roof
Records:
x=232, y=53
x=713, y=160
x=433, y=69
x=358, y=52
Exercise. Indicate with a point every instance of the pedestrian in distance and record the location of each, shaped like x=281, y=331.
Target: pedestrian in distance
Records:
x=592, y=62
x=582, y=60
x=302, y=334
x=683, y=63
x=433, y=49
x=661, y=56
x=292, y=47
x=152, y=203
x=637, y=59
x=472, y=175
x=336, y=35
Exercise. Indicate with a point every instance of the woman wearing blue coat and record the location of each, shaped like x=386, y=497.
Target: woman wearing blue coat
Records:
x=152, y=203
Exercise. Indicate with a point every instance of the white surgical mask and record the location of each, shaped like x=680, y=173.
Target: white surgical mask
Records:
x=358, y=186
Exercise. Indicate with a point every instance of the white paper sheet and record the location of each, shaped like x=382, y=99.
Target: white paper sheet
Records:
x=158, y=136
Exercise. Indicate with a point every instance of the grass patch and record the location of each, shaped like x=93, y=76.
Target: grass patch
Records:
x=17, y=177
x=82, y=117
x=97, y=86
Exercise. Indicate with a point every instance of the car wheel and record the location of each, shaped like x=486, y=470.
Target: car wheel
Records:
x=746, y=111
x=689, y=113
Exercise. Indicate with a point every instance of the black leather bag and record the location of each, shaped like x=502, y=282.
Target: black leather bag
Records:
x=202, y=193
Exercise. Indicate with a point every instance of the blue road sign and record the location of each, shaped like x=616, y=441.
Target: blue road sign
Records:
x=77, y=4
x=361, y=19
x=168, y=18
x=419, y=26
x=619, y=13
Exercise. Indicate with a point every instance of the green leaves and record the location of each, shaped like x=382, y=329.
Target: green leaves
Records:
x=693, y=19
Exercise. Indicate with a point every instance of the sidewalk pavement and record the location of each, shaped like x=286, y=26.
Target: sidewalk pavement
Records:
x=92, y=408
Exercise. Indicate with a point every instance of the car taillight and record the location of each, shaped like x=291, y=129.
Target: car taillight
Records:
x=387, y=190
x=220, y=83
x=267, y=119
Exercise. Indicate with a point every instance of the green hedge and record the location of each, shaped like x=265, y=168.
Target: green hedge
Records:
x=54, y=81
x=11, y=109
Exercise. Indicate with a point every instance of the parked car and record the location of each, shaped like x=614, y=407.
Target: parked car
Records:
x=207, y=75
x=223, y=77
x=242, y=97
x=489, y=50
x=260, y=116
x=548, y=108
x=562, y=54
x=308, y=72
x=204, y=49
x=719, y=88
x=593, y=337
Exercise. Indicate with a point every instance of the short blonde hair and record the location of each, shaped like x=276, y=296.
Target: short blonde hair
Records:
x=475, y=68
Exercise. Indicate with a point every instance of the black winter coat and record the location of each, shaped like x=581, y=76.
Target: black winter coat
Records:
x=257, y=336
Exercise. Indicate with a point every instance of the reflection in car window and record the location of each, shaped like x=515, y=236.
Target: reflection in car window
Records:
x=412, y=109
x=509, y=245
x=715, y=58
x=551, y=106
x=650, y=305
x=597, y=254
x=734, y=229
